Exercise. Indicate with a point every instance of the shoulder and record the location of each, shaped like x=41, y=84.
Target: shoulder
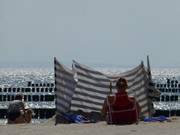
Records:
x=121, y=93
x=17, y=103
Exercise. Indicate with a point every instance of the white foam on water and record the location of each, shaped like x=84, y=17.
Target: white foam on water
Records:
x=13, y=77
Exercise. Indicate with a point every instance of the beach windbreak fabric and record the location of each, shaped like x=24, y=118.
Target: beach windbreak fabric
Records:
x=93, y=87
x=91, y=90
x=84, y=88
x=64, y=87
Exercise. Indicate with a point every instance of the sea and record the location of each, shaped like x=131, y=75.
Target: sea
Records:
x=18, y=77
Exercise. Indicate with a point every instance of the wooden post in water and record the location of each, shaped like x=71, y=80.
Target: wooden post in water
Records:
x=150, y=81
x=108, y=103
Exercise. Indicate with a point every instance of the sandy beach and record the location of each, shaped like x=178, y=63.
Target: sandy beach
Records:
x=101, y=128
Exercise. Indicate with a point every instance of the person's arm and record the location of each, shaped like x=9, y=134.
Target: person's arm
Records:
x=111, y=100
x=28, y=115
x=104, y=109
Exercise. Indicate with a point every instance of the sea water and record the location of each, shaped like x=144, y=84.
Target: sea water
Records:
x=18, y=77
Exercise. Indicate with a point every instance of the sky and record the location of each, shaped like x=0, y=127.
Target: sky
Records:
x=93, y=32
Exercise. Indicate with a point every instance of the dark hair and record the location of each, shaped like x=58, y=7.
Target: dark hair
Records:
x=19, y=97
x=121, y=83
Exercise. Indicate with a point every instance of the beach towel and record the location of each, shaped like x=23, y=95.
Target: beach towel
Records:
x=75, y=118
x=155, y=119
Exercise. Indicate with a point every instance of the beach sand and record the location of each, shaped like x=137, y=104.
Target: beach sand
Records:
x=100, y=128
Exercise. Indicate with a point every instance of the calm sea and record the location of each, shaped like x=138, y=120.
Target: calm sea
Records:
x=16, y=77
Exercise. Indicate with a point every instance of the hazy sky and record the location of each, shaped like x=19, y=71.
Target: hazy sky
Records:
x=109, y=32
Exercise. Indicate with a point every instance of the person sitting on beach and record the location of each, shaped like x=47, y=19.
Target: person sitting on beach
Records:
x=17, y=111
x=119, y=102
